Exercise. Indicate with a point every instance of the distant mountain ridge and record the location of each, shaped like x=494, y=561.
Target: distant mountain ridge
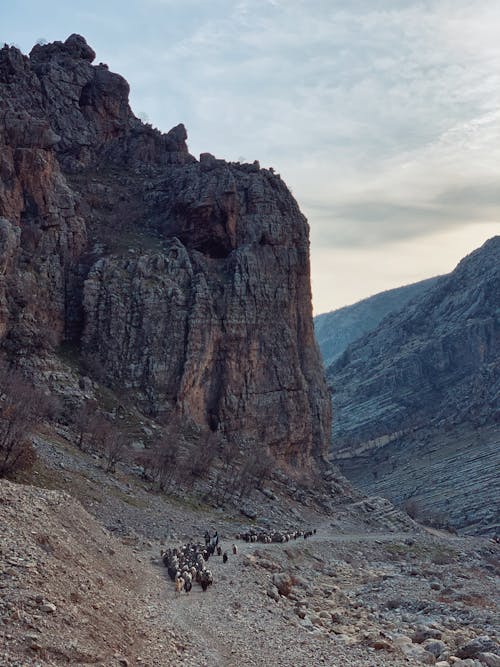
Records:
x=426, y=371
x=338, y=328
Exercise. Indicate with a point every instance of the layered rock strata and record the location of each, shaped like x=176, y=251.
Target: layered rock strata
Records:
x=417, y=400
x=184, y=282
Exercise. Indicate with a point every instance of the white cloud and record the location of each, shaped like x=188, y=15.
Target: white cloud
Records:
x=382, y=115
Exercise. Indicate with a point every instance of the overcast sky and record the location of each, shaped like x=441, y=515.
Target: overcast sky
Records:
x=383, y=116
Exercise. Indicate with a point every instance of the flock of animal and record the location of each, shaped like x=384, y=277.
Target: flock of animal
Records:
x=267, y=537
x=188, y=563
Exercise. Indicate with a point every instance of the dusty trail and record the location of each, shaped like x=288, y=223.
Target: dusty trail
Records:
x=232, y=623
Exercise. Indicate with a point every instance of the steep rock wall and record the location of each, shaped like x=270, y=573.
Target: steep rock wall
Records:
x=186, y=283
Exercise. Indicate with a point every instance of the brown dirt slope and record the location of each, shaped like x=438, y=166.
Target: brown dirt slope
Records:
x=70, y=593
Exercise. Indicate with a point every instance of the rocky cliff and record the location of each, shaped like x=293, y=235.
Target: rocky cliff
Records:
x=339, y=328
x=417, y=399
x=184, y=283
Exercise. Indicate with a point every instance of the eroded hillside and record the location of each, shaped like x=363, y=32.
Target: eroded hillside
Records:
x=417, y=400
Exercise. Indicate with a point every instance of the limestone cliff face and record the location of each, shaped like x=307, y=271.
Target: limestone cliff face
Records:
x=185, y=281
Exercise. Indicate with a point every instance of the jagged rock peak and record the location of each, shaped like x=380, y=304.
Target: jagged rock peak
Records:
x=87, y=107
x=74, y=47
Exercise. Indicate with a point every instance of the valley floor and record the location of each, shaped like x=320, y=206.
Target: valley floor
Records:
x=88, y=587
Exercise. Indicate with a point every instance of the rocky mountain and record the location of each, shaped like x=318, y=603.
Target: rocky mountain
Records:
x=339, y=328
x=417, y=400
x=182, y=283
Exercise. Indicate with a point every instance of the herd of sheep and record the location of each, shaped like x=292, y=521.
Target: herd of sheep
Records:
x=188, y=564
x=267, y=537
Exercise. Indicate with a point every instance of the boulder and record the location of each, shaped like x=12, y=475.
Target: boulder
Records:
x=481, y=644
x=489, y=659
x=283, y=583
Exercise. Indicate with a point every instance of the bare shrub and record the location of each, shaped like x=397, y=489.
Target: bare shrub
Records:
x=82, y=421
x=254, y=468
x=22, y=407
x=107, y=440
x=244, y=466
x=161, y=461
x=115, y=447
x=203, y=452
x=412, y=508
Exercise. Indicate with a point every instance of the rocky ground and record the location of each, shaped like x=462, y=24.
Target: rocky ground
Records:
x=401, y=471
x=87, y=586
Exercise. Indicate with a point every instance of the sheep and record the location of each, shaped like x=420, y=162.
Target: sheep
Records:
x=179, y=582
x=235, y=549
x=224, y=557
x=206, y=580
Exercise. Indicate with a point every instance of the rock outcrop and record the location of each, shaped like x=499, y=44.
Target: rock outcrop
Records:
x=416, y=400
x=184, y=282
x=336, y=330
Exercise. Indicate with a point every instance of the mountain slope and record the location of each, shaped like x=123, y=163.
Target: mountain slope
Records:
x=422, y=372
x=337, y=329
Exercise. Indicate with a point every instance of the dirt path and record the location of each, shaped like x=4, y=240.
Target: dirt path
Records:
x=234, y=623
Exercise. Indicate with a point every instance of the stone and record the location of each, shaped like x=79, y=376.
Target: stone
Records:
x=481, y=644
x=417, y=653
x=48, y=607
x=424, y=632
x=283, y=583
x=489, y=659
x=435, y=646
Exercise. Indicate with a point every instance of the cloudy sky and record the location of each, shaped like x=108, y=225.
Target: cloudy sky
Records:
x=383, y=116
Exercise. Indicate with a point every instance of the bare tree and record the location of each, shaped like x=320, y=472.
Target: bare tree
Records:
x=202, y=453
x=83, y=421
x=22, y=407
x=108, y=440
x=161, y=460
x=115, y=447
